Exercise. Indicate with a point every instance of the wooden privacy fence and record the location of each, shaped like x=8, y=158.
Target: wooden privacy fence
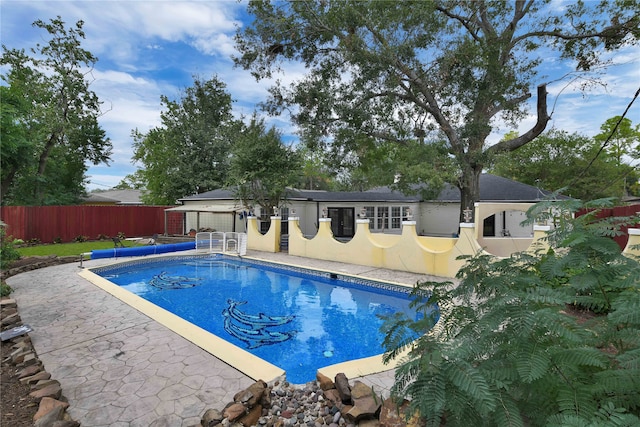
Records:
x=49, y=223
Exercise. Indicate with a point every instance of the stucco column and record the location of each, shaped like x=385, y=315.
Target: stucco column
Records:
x=269, y=242
x=467, y=244
x=409, y=228
x=324, y=228
x=539, y=242
x=297, y=241
x=634, y=240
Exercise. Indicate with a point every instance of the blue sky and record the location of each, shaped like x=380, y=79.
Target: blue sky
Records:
x=150, y=48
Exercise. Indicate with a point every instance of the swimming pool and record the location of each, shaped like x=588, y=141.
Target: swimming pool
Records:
x=297, y=319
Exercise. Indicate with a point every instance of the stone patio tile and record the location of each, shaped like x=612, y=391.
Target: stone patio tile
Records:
x=102, y=416
x=129, y=389
x=139, y=408
x=171, y=420
x=174, y=391
x=190, y=406
x=194, y=382
x=151, y=387
x=165, y=408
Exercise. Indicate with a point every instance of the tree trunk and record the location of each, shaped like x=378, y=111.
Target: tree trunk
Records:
x=6, y=182
x=469, y=189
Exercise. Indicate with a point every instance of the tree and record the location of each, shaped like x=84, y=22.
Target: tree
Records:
x=620, y=139
x=557, y=160
x=548, y=338
x=189, y=152
x=315, y=173
x=57, y=116
x=262, y=167
x=398, y=71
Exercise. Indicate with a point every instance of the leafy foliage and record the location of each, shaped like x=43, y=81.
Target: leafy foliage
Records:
x=262, y=167
x=52, y=117
x=398, y=73
x=8, y=252
x=545, y=338
x=572, y=162
x=189, y=153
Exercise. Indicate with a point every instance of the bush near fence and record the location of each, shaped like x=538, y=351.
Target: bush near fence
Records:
x=66, y=223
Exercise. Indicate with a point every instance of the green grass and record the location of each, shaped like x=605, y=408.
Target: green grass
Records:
x=65, y=249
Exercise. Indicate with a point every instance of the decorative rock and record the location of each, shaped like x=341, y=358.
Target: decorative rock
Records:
x=342, y=385
x=54, y=391
x=9, y=311
x=8, y=303
x=211, y=418
x=393, y=416
x=42, y=375
x=324, y=381
x=373, y=422
x=252, y=417
x=56, y=414
x=29, y=371
x=29, y=360
x=66, y=423
x=43, y=384
x=48, y=404
x=10, y=320
x=234, y=411
x=360, y=390
x=364, y=408
x=333, y=395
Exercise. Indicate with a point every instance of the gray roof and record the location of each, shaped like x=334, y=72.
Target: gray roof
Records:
x=120, y=197
x=492, y=189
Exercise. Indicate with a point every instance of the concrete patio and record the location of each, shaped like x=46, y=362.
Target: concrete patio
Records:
x=118, y=367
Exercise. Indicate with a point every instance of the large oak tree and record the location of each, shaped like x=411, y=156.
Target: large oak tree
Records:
x=400, y=71
x=53, y=116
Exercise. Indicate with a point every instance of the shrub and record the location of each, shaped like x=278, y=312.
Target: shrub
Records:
x=80, y=239
x=33, y=242
x=57, y=240
x=103, y=237
x=5, y=290
x=121, y=235
x=539, y=339
x=8, y=252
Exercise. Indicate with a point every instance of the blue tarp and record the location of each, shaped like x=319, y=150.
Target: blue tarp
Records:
x=142, y=250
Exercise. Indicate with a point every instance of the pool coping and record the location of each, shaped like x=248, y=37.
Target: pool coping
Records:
x=240, y=359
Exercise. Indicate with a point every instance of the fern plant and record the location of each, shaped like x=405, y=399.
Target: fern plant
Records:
x=549, y=338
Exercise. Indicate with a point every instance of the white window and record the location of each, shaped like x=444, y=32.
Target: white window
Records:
x=396, y=217
x=386, y=217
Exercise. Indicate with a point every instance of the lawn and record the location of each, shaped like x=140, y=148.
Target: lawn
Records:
x=64, y=249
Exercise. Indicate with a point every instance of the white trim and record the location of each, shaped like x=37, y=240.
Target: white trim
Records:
x=207, y=208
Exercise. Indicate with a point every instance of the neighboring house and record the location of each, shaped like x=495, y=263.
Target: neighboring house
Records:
x=114, y=197
x=386, y=209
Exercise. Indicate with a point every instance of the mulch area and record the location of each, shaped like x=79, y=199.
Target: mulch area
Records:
x=17, y=407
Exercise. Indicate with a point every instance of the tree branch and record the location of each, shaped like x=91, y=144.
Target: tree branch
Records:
x=537, y=129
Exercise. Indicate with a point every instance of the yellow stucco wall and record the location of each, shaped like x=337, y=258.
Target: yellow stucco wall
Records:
x=269, y=242
x=436, y=256
x=406, y=252
x=633, y=244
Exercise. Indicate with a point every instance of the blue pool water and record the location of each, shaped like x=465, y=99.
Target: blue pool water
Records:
x=296, y=319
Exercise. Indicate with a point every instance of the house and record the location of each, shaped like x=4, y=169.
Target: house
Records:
x=503, y=206
x=114, y=197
